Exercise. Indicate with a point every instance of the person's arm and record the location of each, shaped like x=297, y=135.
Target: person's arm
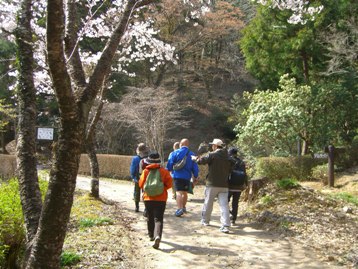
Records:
x=170, y=163
x=205, y=159
x=142, y=178
x=167, y=179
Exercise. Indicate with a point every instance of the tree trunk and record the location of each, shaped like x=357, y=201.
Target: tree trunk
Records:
x=251, y=192
x=26, y=148
x=91, y=143
x=48, y=243
x=305, y=66
x=91, y=152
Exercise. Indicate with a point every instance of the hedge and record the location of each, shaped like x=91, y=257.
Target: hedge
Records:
x=276, y=168
x=8, y=166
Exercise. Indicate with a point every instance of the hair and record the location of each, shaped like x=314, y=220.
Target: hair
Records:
x=176, y=145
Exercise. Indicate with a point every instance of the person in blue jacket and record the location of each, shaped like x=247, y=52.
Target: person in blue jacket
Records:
x=183, y=175
x=136, y=169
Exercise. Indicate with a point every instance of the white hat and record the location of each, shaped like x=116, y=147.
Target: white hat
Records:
x=217, y=142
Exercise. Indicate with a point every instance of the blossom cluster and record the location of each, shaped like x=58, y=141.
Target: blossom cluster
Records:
x=301, y=9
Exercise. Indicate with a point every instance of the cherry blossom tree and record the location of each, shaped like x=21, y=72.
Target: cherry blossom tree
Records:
x=57, y=50
x=301, y=10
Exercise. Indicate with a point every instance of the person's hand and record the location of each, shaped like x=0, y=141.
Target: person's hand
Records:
x=194, y=158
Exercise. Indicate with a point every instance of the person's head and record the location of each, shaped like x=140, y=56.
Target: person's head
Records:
x=153, y=157
x=184, y=142
x=232, y=151
x=142, y=150
x=176, y=145
x=217, y=143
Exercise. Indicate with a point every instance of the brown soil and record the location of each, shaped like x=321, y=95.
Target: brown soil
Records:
x=299, y=228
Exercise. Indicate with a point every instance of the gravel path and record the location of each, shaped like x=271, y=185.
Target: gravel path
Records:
x=187, y=244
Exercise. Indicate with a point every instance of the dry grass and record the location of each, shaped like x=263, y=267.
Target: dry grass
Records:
x=321, y=218
x=103, y=245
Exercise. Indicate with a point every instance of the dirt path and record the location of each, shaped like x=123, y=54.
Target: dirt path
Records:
x=187, y=244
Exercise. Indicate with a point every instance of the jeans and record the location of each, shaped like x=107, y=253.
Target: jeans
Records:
x=222, y=195
x=155, y=214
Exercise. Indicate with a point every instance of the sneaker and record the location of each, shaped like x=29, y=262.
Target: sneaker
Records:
x=184, y=210
x=156, y=242
x=179, y=212
x=224, y=229
x=204, y=223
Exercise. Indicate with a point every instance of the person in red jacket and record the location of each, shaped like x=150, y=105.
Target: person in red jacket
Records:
x=155, y=205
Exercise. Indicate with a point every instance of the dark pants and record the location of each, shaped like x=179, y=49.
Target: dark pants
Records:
x=235, y=203
x=136, y=193
x=155, y=214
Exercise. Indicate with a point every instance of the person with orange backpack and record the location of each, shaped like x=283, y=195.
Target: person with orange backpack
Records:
x=155, y=182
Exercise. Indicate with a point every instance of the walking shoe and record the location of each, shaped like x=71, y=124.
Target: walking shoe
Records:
x=204, y=223
x=156, y=242
x=224, y=229
x=179, y=212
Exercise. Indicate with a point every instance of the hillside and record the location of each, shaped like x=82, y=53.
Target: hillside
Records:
x=207, y=110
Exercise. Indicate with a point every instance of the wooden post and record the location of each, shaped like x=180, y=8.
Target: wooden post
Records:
x=299, y=148
x=331, y=165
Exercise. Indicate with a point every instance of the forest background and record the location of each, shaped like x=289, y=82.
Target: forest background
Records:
x=206, y=90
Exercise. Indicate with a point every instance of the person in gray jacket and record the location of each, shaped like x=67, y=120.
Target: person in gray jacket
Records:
x=217, y=184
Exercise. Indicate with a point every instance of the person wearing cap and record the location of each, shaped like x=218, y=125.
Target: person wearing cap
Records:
x=182, y=176
x=135, y=171
x=216, y=184
x=155, y=205
x=235, y=187
x=176, y=146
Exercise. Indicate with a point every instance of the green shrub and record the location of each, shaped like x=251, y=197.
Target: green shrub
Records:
x=69, y=258
x=90, y=222
x=12, y=233
x=287, y=183
x=347, y=197
x=276, y=168
x=320, y=172
x=266, y=199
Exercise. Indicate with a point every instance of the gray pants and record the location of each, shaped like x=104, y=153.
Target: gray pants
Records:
x=221, y=194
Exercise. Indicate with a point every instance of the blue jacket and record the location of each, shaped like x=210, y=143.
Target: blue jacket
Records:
x=190, y=169
x=134, y=168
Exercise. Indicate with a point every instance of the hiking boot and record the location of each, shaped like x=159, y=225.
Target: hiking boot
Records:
x=156, y=242
x=204, y=223
x=224, y=229
x=179, y=212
